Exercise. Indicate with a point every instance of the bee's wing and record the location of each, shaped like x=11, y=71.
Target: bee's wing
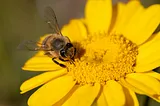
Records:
x=32, y=46
x=51, y=19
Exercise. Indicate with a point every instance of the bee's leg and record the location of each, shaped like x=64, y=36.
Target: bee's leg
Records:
x=71, y=62
x=63, y=59
x=62, y=65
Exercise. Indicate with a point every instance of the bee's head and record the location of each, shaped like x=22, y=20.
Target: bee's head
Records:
x=68, y=52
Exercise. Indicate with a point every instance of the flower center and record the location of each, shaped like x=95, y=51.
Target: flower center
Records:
x=103, y=58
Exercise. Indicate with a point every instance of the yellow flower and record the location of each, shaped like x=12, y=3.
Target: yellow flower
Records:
x=117, y=50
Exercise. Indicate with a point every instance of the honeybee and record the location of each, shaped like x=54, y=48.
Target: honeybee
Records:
x=55, y=45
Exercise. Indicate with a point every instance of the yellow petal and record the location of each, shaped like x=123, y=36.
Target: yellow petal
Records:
x=132, y=8
x=51, y=92
x=153, y=74
x=155, y=97
x=118, y=10
x=75, y=30
x=83, y=96
x=101, y=100
x=123, y=82
x=147, y=67
x=146, y=50
x=98, y=15
x=148, y=57
x=40, y=79
x=147, y=84
x=114, y=94
x=41, y=62
x=131, y=99
x=141, y=26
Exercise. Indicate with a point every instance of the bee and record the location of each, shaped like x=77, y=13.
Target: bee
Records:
x=55, y=45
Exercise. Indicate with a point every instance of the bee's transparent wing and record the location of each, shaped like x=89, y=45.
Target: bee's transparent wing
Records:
x=32, y=46
x=51, y=19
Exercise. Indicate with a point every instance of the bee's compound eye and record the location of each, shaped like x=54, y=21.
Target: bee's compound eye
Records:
x=62, y=53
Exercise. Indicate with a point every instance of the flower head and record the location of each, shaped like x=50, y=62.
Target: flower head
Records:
x=116, y=53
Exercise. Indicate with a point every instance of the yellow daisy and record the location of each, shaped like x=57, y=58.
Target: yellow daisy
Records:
x=117, y=50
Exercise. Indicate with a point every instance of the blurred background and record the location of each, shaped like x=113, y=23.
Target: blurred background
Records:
x=22, y=20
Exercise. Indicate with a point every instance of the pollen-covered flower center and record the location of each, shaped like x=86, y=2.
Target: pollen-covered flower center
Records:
x=103, y=58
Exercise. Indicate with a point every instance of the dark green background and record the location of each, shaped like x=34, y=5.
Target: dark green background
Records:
x=22, y=20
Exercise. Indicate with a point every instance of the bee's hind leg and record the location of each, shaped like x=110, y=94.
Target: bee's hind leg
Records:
x=62, y=65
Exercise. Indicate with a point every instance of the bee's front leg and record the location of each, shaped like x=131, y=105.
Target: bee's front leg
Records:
x=62, y=65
